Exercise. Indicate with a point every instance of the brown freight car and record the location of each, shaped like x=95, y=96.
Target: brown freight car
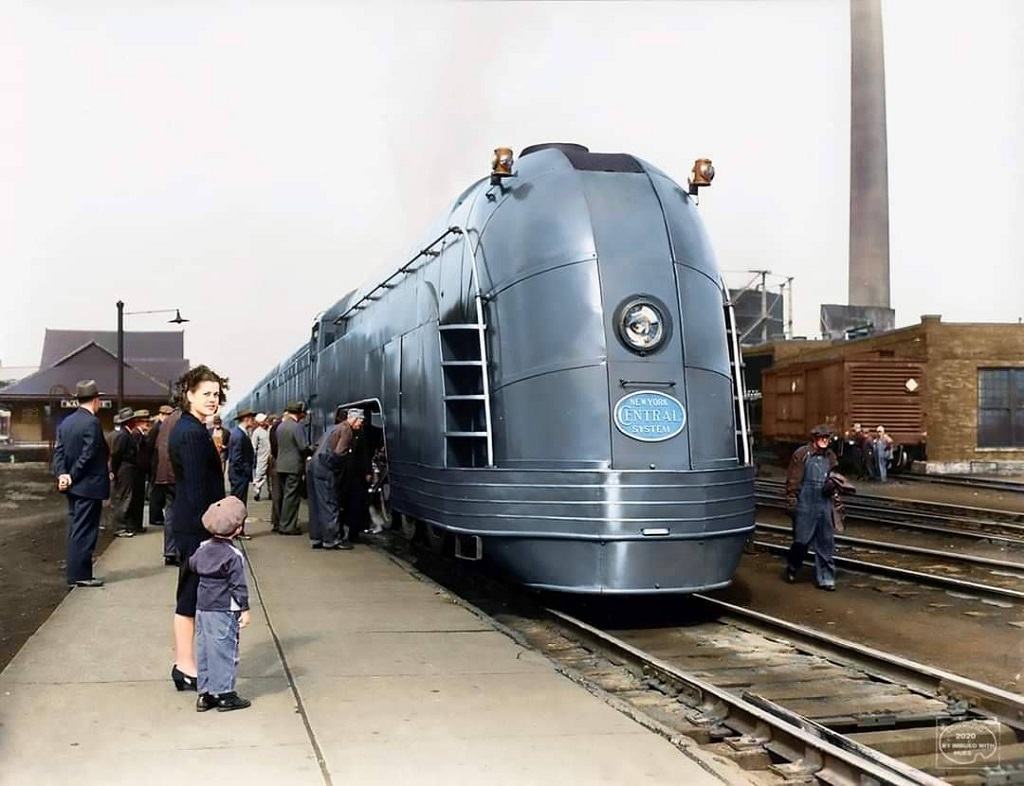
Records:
x=841, y=392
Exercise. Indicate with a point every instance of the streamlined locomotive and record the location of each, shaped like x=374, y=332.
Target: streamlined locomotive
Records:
x=555, y=378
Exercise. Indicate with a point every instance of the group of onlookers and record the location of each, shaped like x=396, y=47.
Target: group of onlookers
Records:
x=183, y=452
x=872, y=451
x=133, y=460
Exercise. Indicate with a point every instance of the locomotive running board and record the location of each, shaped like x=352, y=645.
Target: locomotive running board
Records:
x=469, y=547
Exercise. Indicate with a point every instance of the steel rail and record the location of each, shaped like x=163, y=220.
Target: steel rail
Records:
x=771, y=489
x=937, y=529
x=1005, y=706
x=888, y=545
x=905, y=574
x=994, y=484
x=795, y=740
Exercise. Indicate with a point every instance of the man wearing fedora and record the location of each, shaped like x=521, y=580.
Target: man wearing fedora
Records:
x=292, y=449
x=241, y=459
x=137, y=429
x=124, y=454
x=80, y=466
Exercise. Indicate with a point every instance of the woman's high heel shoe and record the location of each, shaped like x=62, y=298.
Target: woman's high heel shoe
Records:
x=182, y=681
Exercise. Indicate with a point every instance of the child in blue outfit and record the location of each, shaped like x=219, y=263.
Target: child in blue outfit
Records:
x=222, y=607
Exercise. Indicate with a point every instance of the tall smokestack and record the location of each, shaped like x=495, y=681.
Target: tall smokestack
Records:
x=869, y=179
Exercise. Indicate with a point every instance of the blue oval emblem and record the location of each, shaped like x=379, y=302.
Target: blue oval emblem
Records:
x=649, y=416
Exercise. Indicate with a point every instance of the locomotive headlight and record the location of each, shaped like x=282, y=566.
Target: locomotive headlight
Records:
x=641, y=326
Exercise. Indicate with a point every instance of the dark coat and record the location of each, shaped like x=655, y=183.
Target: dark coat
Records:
x=164, y=468
x=241, y=456
x=81, y=452
x=147, y=452
x=795, y=479
x=124, y=451
x=198, y=473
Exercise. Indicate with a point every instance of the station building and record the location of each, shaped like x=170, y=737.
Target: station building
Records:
x=153, y=362
x=951, y=393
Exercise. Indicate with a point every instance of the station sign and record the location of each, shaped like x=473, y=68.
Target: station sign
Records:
x=72, y=403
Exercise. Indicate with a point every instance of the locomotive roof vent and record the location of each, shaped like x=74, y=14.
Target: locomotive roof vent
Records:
x=563, y=146
x=583, y=160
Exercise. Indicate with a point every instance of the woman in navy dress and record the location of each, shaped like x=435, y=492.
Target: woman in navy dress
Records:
x=199, y=483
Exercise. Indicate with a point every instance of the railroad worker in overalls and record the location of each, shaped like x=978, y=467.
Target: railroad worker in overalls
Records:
x=814, y=510
x=324, y=468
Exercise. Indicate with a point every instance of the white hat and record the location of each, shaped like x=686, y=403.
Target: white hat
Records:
x=261, y=417
x=356, y=413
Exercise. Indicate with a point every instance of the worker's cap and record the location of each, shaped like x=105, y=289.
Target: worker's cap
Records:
x=821, y=431
x=355, y=414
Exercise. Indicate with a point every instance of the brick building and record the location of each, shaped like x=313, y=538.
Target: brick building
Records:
x=956, y=389
x=153, y=363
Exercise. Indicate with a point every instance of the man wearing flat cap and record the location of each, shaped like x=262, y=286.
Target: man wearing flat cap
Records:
x=355, y=466
x=292, y=449
x=325, y=471
x=241, y=458
x=80, y=466
x=816, y=512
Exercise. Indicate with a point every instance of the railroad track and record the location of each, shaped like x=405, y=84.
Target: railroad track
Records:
x=997, y=525
x=788, y=704
x=951, y=570
x=993, y=484
x=804, y=706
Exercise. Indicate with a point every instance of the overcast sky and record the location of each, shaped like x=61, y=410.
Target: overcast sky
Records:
x=249, y=163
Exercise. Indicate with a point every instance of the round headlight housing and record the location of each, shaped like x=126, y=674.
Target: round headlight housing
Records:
x=642, y=326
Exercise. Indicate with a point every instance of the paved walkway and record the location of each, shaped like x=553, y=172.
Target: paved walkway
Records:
x=360, y=673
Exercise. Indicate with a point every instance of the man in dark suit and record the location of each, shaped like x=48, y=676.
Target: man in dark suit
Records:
x=124, y=454
x=241, y=458
x=80, y=466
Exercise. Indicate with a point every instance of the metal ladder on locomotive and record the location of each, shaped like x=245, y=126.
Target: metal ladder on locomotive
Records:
x=468, y=434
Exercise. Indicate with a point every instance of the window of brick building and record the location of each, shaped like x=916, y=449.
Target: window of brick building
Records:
x=1001, y=408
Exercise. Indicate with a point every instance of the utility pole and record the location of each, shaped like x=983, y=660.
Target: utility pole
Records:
x=789, y=323
x=120, y=355
x=764, y=306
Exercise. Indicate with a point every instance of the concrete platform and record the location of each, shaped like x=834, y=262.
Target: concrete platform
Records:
x=360, y=672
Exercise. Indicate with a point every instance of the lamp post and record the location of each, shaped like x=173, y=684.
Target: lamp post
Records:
x=121, y=313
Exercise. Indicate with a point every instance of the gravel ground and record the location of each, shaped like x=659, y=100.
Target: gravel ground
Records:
x=33, y=540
